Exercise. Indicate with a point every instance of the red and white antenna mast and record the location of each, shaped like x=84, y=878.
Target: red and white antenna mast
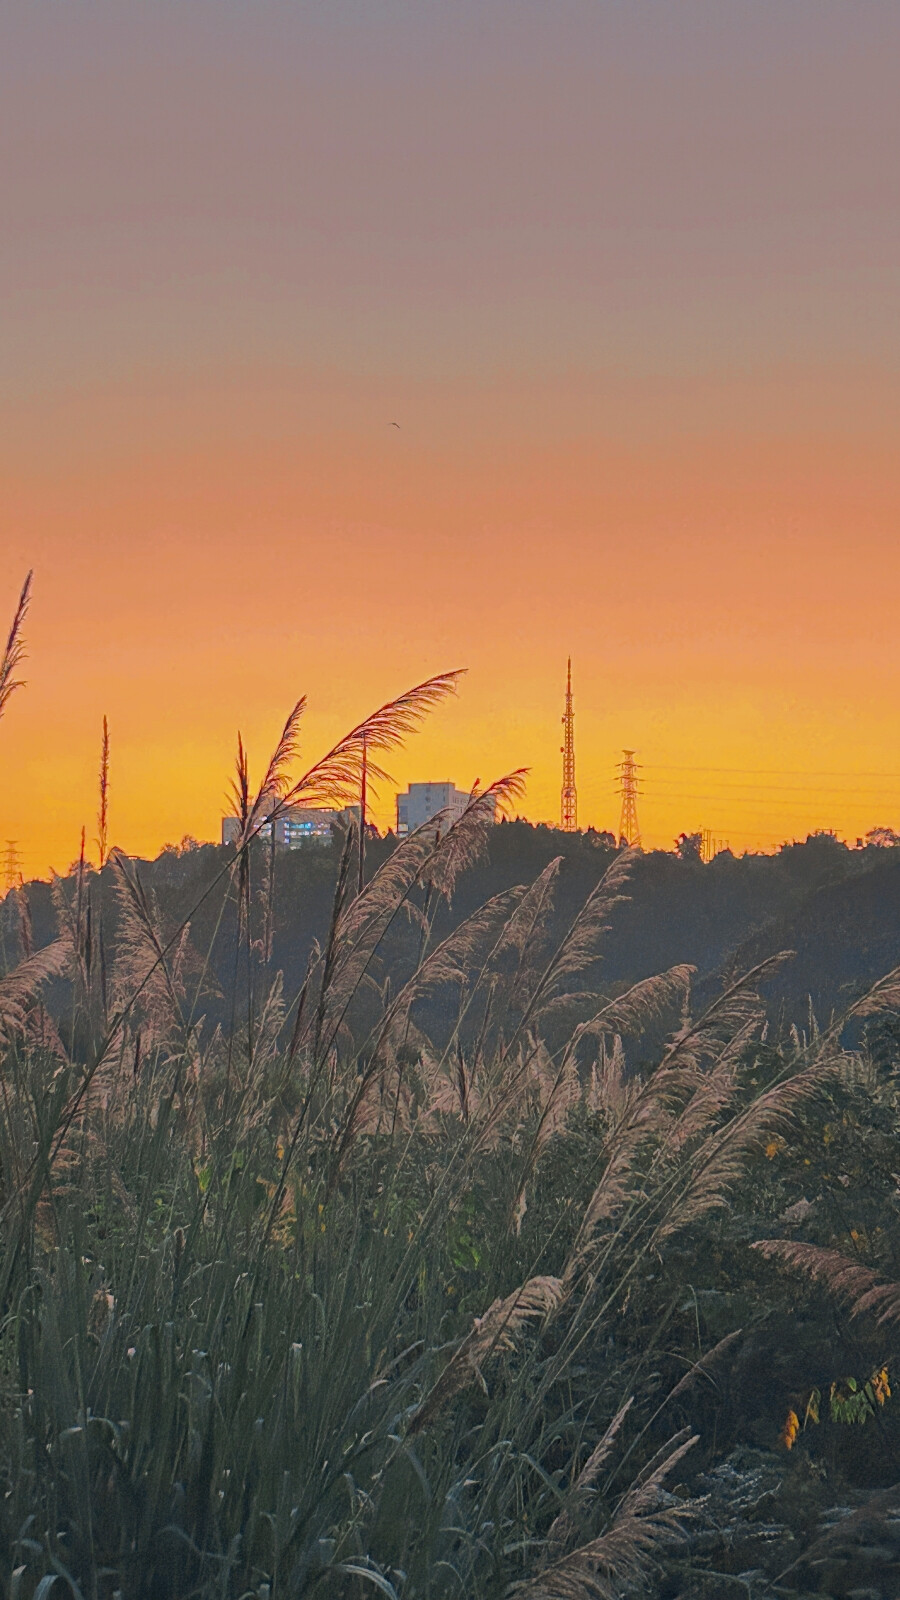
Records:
x=568, y=814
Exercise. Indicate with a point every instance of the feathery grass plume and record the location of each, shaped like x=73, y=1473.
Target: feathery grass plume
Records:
x=103, y=811
x=336, y=777
x=252, y=814
x=40, y=1027
x=276, y=782
x=268, y=1035
x=26, y=924
x=451, y=962
x=715, y=1087
x=242, y=808
x=240, y=789
x=884, y=995
x=358, y=926
x=856, y=1286
x=738, y=1007
x=450, y=1089
x=462, y=954
x=494, y=1332
x=19, y=989
x=625, y=1553
x=644, y=1003
x=644, y=1120
x=14, y=652
x=561, y=1093
x=529, y=916
x=701, y=1368
x=388, y=891
x=579, y=947
x=718, y=1163
x=266, y=944
x=428, y=851
x=333, y=946
x=639, y=1115
x=562, y=1526
x=463, y=842
x=143, y=960
x=366, y=917
x=524, y=934
x=69, y=918
x=609, y=1090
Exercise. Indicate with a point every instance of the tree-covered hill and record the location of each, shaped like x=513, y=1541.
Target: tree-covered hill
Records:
x=837, y=909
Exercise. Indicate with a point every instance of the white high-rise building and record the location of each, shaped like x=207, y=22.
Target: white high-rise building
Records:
x=422, y=801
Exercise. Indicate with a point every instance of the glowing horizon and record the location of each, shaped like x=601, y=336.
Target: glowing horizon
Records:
x=625, y=278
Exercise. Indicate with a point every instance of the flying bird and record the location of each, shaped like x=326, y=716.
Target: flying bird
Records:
x=395, y=424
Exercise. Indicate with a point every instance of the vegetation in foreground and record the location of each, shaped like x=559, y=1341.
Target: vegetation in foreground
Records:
x=438, y=1277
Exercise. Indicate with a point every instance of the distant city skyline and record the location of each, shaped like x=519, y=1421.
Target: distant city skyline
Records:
x=625, y=279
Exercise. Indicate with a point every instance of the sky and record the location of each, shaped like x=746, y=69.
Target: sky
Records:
x=626, y=275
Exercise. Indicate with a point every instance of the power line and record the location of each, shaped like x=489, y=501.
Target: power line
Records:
x=786, y=772
x=787, y=788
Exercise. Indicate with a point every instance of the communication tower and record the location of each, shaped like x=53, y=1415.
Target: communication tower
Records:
x=710, y=846
x=568, y=814
x=12, y=866
x=629, y=828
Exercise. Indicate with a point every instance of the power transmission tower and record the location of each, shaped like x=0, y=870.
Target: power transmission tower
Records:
x=629, y=827
x=569, y=799
x=12, y=866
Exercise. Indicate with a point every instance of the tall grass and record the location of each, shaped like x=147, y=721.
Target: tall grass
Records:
x=364, y=1293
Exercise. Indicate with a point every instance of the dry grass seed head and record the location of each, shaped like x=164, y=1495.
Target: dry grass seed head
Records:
x=851, y=1282
x=580, y=945
x=561, y=1528
x=337, y=776
x=20, y=988
x=463, y=843
x=644, y=1003
x=492, y=1333
x=14, y=651
x=720, y=1161
x=624, y=1553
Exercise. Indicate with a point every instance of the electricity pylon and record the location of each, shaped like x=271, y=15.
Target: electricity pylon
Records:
x=629, y=828
x=12, y=866
x=568, y=811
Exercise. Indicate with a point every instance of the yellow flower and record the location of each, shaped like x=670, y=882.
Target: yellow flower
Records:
x=771, y=1149
x=790, y=1430
x=881, y=1387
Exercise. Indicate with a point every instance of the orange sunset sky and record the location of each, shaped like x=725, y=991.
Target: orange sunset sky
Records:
x=627, y=276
